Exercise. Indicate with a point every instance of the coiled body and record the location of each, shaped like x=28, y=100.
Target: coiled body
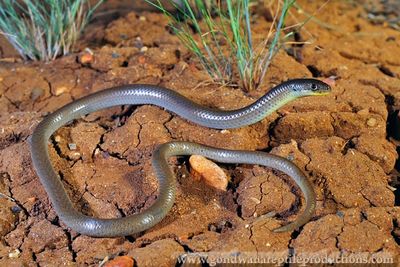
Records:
x=170, y=100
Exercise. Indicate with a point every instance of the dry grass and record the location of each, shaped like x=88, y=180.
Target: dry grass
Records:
x=43, y=30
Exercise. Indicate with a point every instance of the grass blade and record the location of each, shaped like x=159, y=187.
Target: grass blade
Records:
x=43, y=30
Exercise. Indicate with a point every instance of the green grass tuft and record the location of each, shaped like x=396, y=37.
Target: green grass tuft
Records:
x=224, y=44
x=43, y=30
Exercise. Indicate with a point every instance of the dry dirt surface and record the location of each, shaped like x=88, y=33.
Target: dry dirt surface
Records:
x=344, y=142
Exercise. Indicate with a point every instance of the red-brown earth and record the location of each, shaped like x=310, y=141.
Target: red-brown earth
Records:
x=344, y=142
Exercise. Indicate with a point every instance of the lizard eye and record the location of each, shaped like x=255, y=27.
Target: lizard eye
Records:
x=314, y=86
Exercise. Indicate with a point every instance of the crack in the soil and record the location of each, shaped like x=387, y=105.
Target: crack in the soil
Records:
x=59, y=151
x=166, y=126
x=366, y=197
x=138, y=135
x=235, y=196
x=85, y=188
x=34, y=257
x=185, y=247
x=115, y=205
x=50, y=87
x=124, y=115
x=117, y=155
x=70, y=247
x=7, y=177
x=386, y=71
x=261, y=198
x=6, y=88
x=314, y=71
x=61, y=175
x=320, y=179
x=26, y=233
x=393, y=135
x=338, y=235
x=396, y=231
x=290, y=248
x=271, y=128
x=251, y=235
x=70, y=239
x=14, y=104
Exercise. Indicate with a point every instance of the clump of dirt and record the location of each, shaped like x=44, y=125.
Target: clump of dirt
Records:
x=340, y=141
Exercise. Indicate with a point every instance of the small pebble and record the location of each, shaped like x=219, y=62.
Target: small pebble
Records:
x=72, y=146
x=121, y=261
x=211, y=173
x=144, y=49
x=60, y=90
x=115, y=55
x=391, y=188
x=86, y=58
x=36, y=93
x=57, y=138
x=16, y=209
x=340, y=214
x=142, y=18
x=15, y=254
x=75, y=155
x=255, y=200
x=371, y=122
x=290, y=157
x=32, y=199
